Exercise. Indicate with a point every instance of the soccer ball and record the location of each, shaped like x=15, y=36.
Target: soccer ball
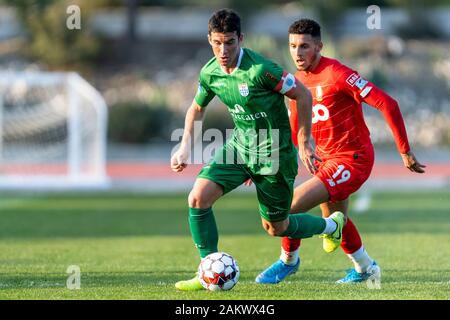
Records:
x=218, y=271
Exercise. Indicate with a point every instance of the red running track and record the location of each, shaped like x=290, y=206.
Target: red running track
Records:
x=158, y=171
x=140, y=170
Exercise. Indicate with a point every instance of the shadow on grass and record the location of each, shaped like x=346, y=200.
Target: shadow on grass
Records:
x=168, y=278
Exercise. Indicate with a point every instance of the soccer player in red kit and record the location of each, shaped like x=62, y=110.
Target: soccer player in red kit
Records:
x=344, y=152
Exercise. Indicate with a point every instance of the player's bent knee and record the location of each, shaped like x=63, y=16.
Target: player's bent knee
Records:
x=276, y=229
x=271, y=231
x=276, y=232
x=197, y=200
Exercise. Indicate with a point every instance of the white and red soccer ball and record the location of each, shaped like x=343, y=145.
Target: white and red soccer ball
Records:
x=218, y=271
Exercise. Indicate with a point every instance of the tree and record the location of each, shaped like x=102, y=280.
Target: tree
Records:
x=49, y=38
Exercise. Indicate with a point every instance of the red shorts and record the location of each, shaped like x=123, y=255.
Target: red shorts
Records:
x=344, y=174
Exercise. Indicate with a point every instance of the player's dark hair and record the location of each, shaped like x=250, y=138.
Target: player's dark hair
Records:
x=306, y=26
x=225, y=20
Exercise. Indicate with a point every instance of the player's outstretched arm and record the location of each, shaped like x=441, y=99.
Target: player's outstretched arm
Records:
x=393, y=116
x=179, y=159
x=363, y=90
x=303, y=100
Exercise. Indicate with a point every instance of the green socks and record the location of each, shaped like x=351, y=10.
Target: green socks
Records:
x=302, y=225
x=205, y=235
x=204, y=230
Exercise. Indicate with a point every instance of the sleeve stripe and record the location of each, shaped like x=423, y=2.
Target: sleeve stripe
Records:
x=280, y=84
x=366, y=91
x=286, y=83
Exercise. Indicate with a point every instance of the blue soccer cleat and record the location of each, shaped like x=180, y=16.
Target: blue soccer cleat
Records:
x=277, y=272
x=352, y=276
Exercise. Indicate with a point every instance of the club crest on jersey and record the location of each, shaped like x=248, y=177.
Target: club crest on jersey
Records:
x=243, y=89
x=319, y=94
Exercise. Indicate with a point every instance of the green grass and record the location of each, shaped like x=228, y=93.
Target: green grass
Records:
x=137, y=246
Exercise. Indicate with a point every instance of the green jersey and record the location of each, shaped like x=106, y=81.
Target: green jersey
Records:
x=253, y=93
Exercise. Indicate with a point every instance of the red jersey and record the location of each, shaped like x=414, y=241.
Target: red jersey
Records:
x=338, y=124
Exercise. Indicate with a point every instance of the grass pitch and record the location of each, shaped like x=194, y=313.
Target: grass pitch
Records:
x=130, y=246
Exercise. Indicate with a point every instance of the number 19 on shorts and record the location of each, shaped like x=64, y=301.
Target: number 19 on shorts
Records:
x=341, y=175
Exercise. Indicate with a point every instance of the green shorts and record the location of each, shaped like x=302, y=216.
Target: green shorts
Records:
x=274, y=191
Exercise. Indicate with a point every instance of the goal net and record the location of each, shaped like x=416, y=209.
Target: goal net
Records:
x=52, y=132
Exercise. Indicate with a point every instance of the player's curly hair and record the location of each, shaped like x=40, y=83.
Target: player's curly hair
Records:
x=225, y=20
x=305, y=26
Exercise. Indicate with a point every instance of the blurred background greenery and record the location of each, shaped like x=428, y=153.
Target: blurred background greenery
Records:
x=148, y=75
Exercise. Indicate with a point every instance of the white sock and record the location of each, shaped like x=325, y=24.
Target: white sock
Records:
x=289, y=257
x=361, y=260
x=330, y=226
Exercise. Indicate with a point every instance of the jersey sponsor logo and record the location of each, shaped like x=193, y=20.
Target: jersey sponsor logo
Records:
x=237, y=108
x=366, y=91
x=243, y=89
x=249, y=117
x=352, y=79
x=361, y=83
x=320, y=113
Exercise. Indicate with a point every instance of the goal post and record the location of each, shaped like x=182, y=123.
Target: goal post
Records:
x=52, y=132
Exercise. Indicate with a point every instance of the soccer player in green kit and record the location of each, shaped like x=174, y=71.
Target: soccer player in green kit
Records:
x=253, y=89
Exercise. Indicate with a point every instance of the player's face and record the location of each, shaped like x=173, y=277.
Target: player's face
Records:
x=226, y=47
x=305, y=51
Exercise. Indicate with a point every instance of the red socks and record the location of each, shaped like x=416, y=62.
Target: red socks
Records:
x=351, y=240
x=290, y=245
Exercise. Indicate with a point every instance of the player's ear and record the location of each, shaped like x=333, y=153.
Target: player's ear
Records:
x=209, y=38
x=319, y=45
x=241, y=38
